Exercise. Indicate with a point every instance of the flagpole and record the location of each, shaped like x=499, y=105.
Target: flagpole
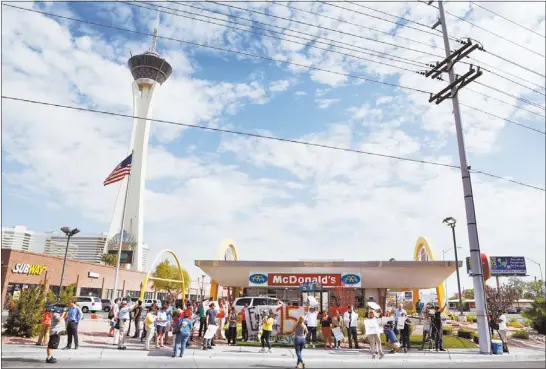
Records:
x=121, y=238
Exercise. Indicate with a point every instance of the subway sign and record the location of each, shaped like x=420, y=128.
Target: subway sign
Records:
x=28, y=269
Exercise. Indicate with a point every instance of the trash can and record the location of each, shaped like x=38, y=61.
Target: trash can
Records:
x=496, y=347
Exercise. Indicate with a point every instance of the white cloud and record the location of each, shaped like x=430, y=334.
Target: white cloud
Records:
x=325, y=103
x=279, y=86
x=300, y=93
x=383, y=99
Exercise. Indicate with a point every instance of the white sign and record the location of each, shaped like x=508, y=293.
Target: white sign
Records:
x=372, y=326
x=211, y=331
x=373, y=305
x=338, y=334
x=93, y=275
x=400, y=323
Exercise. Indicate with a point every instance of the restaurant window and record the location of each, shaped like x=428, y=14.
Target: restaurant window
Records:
x=148, y=295
x=97, y=292
x=109, y=294
x=133, y=293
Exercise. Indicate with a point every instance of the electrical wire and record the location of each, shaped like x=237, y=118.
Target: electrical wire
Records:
x=504, y=102
x=515, y=82
x=217, y=48
x=190, y=16
x=266, y=137
x=490, y=32
x=506, y=120
x=514, y=63
x=510, y=95
x=509, y=20
x=314, y=37
x=325, y=28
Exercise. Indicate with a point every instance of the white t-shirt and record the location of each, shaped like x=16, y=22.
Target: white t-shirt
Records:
x=311, y=319
x=502, y=323
x=162, y=315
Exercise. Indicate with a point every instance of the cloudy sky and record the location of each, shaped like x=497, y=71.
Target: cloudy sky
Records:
x=276, y=200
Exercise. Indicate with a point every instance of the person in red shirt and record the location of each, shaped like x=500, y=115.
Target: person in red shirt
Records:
x=188, y=313
x=44, y=330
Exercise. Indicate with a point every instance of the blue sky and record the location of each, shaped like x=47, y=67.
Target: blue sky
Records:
x=276, y=200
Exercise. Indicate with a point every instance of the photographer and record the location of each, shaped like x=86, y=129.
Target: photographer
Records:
x=437, y=328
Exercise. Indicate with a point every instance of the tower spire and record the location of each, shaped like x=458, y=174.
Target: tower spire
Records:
x=154, y=40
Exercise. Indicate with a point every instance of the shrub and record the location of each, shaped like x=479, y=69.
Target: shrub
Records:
x=521, y=334
x=540, y=325
x=25, y=319
x=471, y=318
x=411, y=312
x=448, y=330
x=513, y=320
x=537, y=315
x=466, y=333
x=515, y=324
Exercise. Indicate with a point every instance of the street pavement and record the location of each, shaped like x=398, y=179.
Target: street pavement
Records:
x=29, y=356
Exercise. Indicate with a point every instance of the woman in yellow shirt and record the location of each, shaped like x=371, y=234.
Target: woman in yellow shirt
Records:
x=267, y=327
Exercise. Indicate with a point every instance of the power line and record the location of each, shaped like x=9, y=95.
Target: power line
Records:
x=517, y=83
x=509, y=20
x=506, y=120
x=314, y=37
x=513, y=96
x=492, y=33
x=514, y=63
x=190, y=16
x=220, y=49
x=504, y=102
x=266, y=137
x=324, y=28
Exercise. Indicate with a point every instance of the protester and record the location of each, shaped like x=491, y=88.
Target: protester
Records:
x=112, y=314
x=149, y=324
x=350, y=318
x=300, y=334
x=503, y=328
x=44, y=329
x=311, y=322
x=182, y=331
x=138, y=313
x=161, y=326
x=426, y=328
x=392, y=340
x=419, y=308
x=221, y=320
x=405, y=335
x=202, y=319
x=189, y=313
x=398, y=313
x=267, y=328
x=438, y=329
x=73, y=317
x=123, y=320
x=57, y=326
x=244, y=328
x=211, y=318
x=169, y=326
x=232, y=330
x=336, y=323
x=375, y=339
x=326, y=324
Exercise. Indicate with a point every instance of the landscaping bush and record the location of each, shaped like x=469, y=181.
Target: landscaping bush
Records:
x=521, y=334
x=25, y=319
x=471, y=318
x=466, y=333
x=537, y=315
x=540, y=325
x=515, y=324
x=411, y=312
x=448, y=330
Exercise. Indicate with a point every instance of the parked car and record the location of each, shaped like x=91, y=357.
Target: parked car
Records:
x=89, y=303
x=148, y=302
x=106, y=304
x=57, y=308
x=240, y=302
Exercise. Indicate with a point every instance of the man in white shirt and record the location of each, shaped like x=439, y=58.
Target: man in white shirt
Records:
x=398, y=313
x=311, y=320
x=124, y=318
x=350, y=318
x=503, y=327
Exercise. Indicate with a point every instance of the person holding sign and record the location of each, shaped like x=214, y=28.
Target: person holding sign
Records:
x=336, y=329
x=211, y=328
x=325, y=324
x=373, y=331
x=267, y=327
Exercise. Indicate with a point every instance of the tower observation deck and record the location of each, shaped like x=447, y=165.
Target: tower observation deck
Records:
x=150, y=66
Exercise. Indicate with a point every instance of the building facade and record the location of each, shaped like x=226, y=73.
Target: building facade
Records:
x=58, y=247
x=22, y=269
x=21, y=238
x=82, y=247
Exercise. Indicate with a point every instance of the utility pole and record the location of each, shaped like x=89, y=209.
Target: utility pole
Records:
x=451, y=91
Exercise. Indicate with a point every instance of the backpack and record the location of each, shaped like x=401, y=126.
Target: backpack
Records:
x=182, y=327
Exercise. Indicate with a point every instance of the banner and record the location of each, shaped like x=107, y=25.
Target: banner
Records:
x=338, y=334
x=284, y=325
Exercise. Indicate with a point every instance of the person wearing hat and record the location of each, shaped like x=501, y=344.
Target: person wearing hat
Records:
x=182, y=332
x=124, y=320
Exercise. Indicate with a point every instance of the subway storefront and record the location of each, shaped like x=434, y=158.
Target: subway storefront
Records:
x=22, y=269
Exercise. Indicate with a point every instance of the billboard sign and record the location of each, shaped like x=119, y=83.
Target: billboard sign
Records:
x=508, y=266
x=126, y=256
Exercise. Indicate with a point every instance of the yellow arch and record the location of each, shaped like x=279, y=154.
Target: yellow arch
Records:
x=422, y=247
x=226, y=244
x=147, y=278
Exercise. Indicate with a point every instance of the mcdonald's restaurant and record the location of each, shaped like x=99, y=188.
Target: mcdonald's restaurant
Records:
x=23, y=269
x=331, y=284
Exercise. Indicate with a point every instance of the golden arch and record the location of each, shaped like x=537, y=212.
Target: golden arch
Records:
x=226, y=244
x=423, y=252
x=148, y=277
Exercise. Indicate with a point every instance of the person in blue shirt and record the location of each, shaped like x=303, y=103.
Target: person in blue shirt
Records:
x=182, y=333
x=169, y=322
x=73, y=317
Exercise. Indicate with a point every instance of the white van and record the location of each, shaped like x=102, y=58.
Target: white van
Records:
x=149, y=302
x=240, y=302
x=89, y=303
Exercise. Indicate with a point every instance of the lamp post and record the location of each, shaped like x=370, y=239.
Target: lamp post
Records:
x=203, y=287
x=541, y=277
x=445, y=282
x=69, y=233
x=450, y=222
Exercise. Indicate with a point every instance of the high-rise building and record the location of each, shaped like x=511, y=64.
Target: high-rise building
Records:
x=149, y=73
x=21, y=238
x=82, y=247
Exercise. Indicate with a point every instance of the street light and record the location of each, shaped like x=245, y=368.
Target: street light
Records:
x=541, y=277
x=203, y=287
x=69, y=233
x=451, y=222
x=443, y=258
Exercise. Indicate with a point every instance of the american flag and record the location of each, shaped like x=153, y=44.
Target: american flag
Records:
x=119, y=172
